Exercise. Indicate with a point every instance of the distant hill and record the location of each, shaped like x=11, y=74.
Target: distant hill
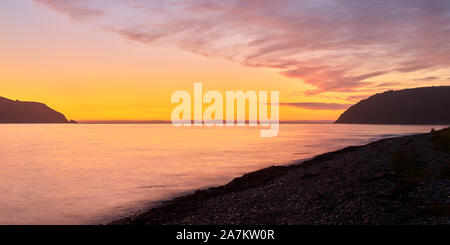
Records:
x=427, y=105
x=28, y=112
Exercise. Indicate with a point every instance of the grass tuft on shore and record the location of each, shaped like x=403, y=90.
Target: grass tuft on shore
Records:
x=438, y=209
x=409, y=170
x=408, y=167
x=445, y=170
x=441, y=139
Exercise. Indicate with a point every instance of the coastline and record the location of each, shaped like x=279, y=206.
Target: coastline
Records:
x=402, y=180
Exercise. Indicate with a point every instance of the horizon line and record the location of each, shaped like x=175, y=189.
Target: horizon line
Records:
x=170, y=122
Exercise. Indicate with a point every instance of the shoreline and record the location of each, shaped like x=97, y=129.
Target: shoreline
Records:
x=313, y=191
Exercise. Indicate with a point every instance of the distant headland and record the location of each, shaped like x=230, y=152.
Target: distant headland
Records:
x=426, y=105
x=15, y=111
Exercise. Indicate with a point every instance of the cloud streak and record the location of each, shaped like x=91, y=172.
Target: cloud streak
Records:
x=334, y=45
x=317, y=106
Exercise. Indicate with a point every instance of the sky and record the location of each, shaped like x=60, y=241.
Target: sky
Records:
x=123, y=59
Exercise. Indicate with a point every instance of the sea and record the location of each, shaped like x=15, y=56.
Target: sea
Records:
x=94, y=173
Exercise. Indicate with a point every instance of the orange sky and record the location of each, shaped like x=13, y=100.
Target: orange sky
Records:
x=88, y=72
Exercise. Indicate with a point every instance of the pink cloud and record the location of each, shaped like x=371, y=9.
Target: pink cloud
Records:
x=77, y=10
x=317, y=106
x=334, y=45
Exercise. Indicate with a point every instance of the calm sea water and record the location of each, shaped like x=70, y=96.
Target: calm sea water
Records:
x=90, y=173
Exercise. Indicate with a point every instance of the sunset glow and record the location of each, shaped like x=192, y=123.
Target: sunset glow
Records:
x=122, y=60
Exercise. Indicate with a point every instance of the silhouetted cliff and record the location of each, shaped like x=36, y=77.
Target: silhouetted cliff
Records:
x=428, y=105
x=28, y=112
